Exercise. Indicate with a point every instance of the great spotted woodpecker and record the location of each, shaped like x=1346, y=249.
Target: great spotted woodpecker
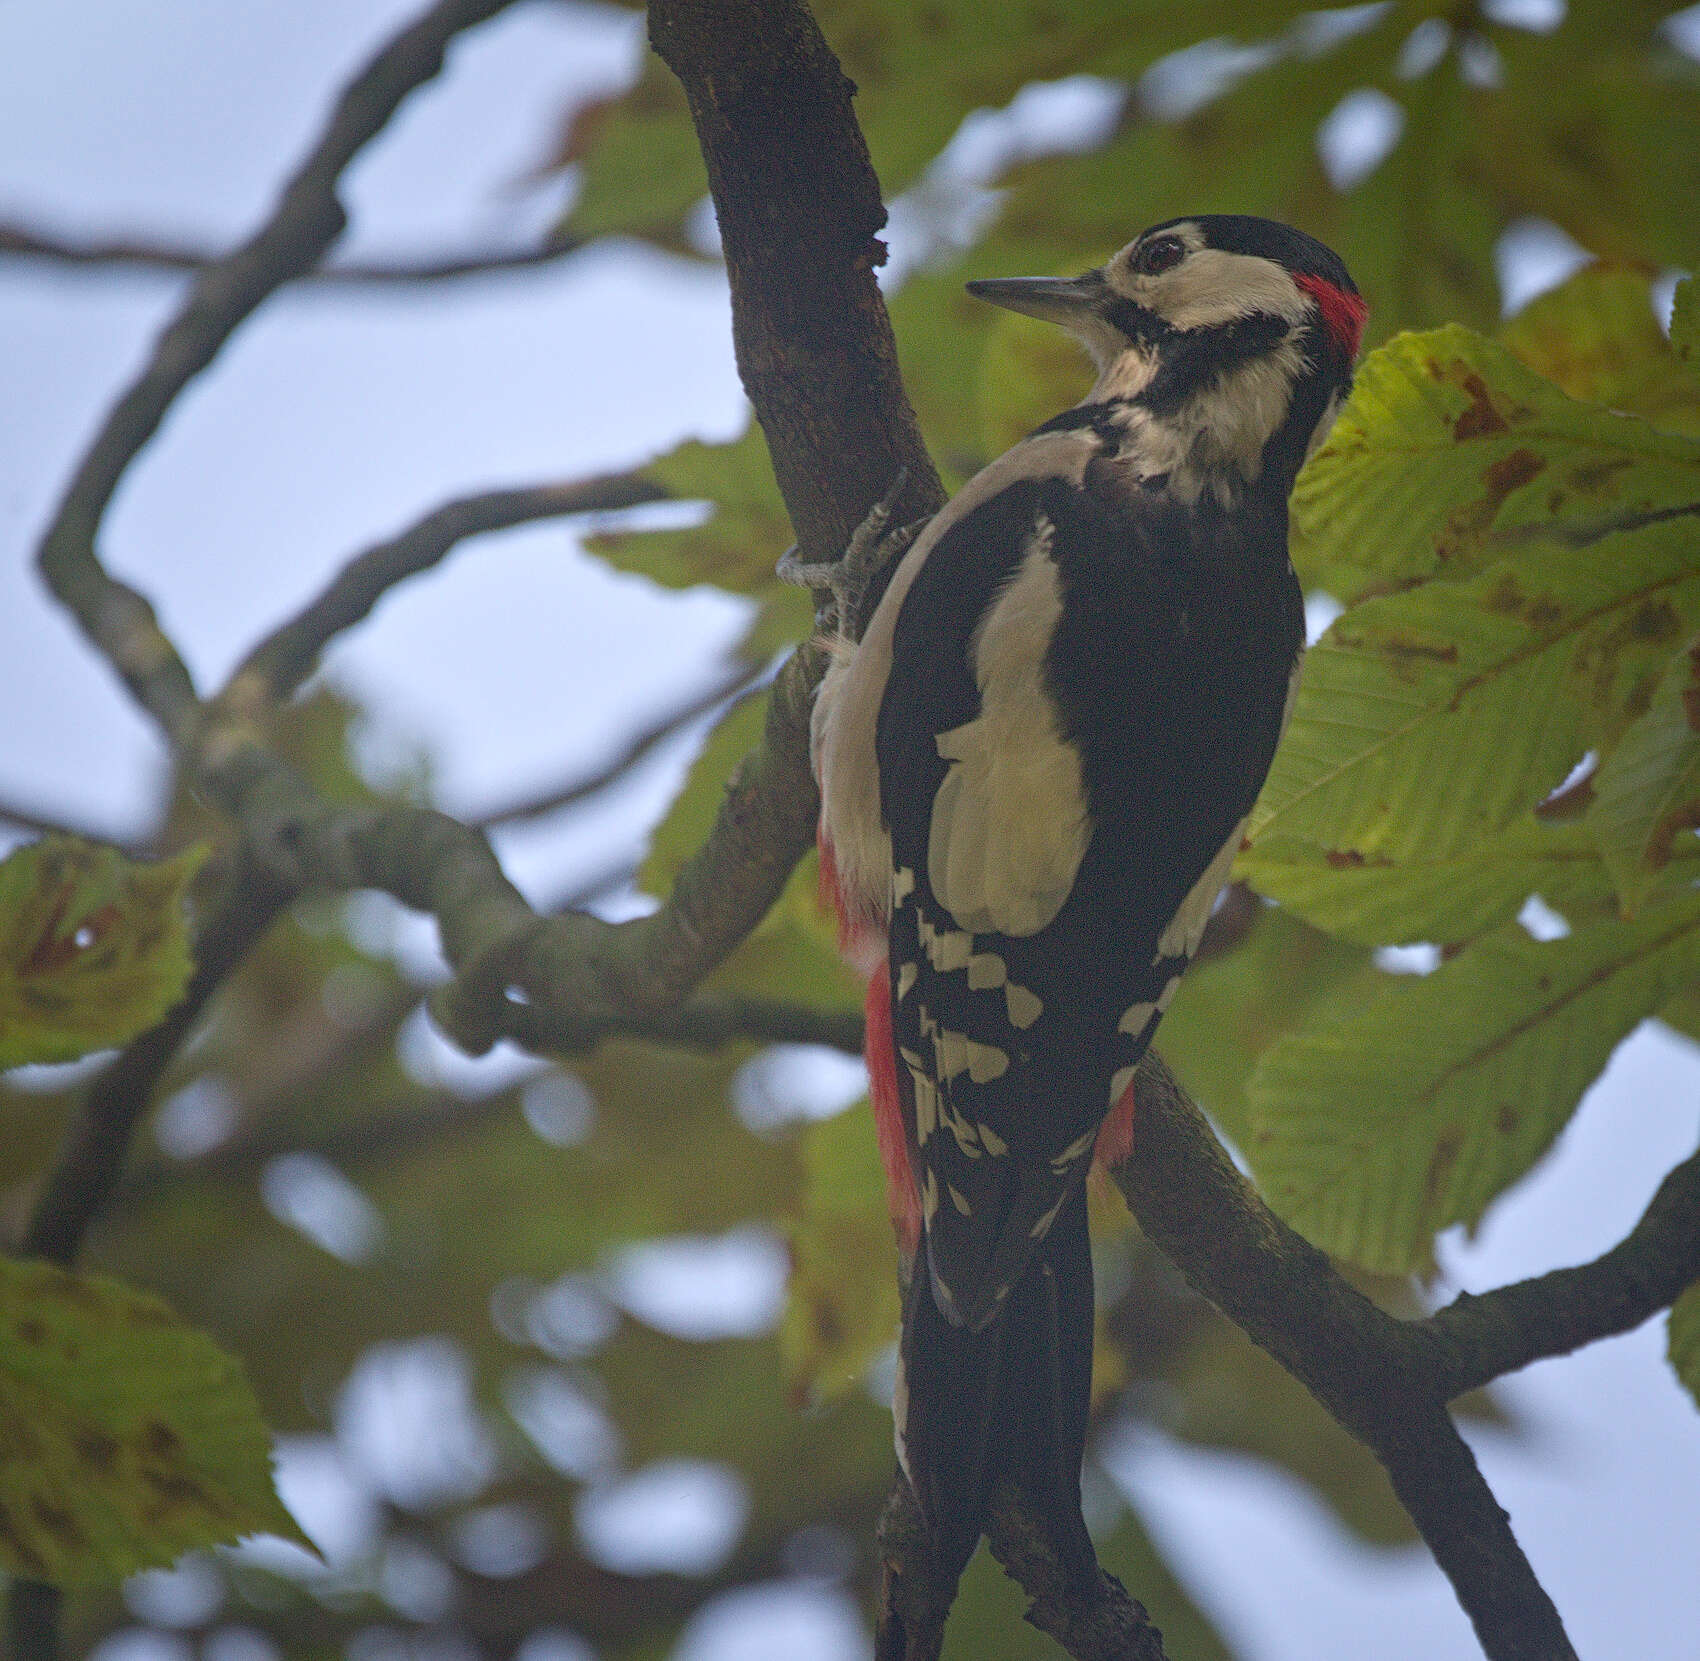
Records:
x=1035, y=767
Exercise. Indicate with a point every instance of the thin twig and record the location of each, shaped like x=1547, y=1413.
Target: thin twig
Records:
x=41, y=821
x=150, y=253
x=288, y=655
x=735, y=682
x=306, y=221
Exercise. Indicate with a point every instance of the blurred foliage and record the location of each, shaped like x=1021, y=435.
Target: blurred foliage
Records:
x=93, y=947
x=125, y=1436
x=1506, y=709
x=1525, y=595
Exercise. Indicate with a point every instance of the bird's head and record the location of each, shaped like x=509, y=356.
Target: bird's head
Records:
x=1240, y=331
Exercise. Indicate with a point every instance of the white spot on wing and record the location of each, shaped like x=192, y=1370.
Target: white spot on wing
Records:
x=1076, y=1150
x=1043, y=1226
x=907, y=975
x=900, y=1417
x=1119, y=1082
x=958, y=1053
x=959, y=1199
x=985, y=971
x=1024, y=1006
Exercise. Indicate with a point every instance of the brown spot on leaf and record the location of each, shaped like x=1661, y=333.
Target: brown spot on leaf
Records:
x=1441, y=1161
x=1509, y=598
x=1599, y=478
x=1344, y=859
x=1499, y=479
x=55, y=1520
x=95, y=1448
x=1507, y=1119
x=31, y=1331
x=1654, y=621
x=1481, y=419
x=1402, y=649
x=1511, y=472
x=161, y=1440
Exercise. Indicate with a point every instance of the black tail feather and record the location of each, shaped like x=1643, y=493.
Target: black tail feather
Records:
x=1009, y=1402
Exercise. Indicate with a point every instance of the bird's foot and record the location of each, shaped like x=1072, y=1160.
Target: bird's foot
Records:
x=841, y=585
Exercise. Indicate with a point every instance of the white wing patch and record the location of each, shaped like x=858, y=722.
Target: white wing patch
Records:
x=1009, y=824
x=846, y=714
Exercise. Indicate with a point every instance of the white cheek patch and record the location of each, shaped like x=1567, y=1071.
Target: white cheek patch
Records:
x=1212, y=286
x=1009, y=823
x=1186, y=928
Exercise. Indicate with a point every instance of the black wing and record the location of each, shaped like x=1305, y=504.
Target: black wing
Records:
x=1166, y=678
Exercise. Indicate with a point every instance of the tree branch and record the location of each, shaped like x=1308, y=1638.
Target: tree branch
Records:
x=288, y=655
x=181, y=258
x=737, y=682
x=306, y=221
x=1480, y=1338
x=1360, y=1363
x=799, y=211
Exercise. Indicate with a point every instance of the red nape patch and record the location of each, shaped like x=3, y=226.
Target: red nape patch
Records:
x=880, y=1050
x=1115, y=1135
x=1342, y=311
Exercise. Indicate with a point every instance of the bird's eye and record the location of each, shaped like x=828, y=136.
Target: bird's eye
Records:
x=1161, y=254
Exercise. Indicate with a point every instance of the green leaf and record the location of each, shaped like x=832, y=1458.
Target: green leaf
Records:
x=642, y=171
x=93, y=947
x=1372, y=1134
x=1647, y=792
x=126, y=1437
x=1450, y=455
x=1497, y=686
x=740, y=544
x=1445, y=896
x=1233, y=1006
x=843, y=1306
x=917, y=71
x=1682, y=1340
x=1593, y=128
x=1596, y=338
x=1685, y=326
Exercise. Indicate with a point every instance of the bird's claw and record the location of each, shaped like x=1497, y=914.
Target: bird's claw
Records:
x=841, y=584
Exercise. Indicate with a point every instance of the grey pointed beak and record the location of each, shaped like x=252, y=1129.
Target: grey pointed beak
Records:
x=1064, y=300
